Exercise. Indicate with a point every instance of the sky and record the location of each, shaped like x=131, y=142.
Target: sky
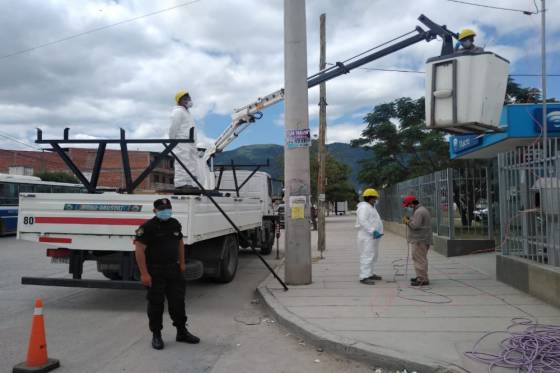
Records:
x=226, y=53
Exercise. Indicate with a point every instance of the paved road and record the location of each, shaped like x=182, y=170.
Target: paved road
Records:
x=94, y=330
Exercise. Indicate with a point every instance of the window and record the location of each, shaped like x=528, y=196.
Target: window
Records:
x=8, y=194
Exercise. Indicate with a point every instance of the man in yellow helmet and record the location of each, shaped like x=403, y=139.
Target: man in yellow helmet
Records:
x=370, y=230
x=182, y=122
x=466, y=42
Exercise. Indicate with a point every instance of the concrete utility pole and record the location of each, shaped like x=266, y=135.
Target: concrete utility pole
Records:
x=296, y=149
x=322, y=139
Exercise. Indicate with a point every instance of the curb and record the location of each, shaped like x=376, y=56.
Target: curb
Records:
x=375, y=355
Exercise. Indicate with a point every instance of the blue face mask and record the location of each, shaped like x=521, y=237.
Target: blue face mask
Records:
x=410, y=210
x=164, y=214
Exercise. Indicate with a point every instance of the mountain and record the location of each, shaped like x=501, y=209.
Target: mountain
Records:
x=258, y=154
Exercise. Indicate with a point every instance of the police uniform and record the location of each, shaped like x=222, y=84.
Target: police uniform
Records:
x=161, y=238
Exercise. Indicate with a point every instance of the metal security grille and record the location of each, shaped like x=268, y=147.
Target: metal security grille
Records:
x=456, y=198
x=530, y=202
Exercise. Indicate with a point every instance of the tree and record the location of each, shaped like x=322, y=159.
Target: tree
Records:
x=402, y=147
x=515, y=94
x=338, y=187
x=57, y=176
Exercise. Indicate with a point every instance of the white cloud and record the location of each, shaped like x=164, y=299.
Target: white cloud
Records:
x=342, y=132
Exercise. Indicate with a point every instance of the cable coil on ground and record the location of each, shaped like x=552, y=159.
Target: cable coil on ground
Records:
x=536, y=349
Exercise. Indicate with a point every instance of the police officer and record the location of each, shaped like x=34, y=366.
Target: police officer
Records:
x=160, y=255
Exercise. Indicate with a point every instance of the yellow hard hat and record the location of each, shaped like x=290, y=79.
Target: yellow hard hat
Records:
x=370, y=192
x=465, y=33
x=179, y=95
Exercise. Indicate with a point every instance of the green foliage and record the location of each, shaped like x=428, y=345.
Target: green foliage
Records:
x=400, y=145
x=338, y=185
x=57, y=176
x=515, y=94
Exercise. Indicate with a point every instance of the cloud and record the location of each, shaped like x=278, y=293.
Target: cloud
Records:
x=341, y=132
x=226, y=54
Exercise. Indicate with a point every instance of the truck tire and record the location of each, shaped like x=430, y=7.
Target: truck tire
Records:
x=268, y=238
x=194, y=270
x=227, y=266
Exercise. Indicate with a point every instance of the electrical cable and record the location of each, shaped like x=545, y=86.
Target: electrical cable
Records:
x=4, y=135
x=534, y=349
x=361, y=54
x=129, y=20
x=424, y=289
x=526, y=12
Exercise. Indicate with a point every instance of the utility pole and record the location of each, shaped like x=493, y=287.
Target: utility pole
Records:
x=296, y=149
x=322, y=139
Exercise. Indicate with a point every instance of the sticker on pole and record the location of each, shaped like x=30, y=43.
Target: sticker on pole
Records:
x=298, y=138
x=297, y=207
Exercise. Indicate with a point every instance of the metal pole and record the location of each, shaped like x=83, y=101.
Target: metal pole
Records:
x=543, y=79
x=322, y=139
x=296, y=150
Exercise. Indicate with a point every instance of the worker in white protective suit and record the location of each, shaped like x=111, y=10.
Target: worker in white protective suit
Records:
x=182, y=122
x=370, y=231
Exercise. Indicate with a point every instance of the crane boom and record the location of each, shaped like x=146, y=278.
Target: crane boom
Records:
x=243, y=117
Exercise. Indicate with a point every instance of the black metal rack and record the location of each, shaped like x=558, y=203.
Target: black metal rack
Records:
x=91, y=185
x=237, y=167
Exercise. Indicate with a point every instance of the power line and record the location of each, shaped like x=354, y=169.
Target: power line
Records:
x=526, y=12
x=423, y=72
x=97, y=29
x=4, y=135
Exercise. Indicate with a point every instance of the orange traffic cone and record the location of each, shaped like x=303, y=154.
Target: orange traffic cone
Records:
x=37, y=359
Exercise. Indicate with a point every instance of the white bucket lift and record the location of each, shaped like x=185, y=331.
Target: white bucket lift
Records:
x=465, y=92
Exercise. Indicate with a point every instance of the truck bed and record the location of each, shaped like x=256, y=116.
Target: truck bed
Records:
x=108, y=221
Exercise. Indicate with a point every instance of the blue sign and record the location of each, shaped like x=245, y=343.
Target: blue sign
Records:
x=463, y=143
x=552, y=119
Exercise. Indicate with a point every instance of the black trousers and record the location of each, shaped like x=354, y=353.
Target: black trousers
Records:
x=167, y=281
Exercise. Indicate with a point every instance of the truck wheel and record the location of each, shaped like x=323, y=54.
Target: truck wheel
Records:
x=268, y=240
x=194, y=270
x=227, y=267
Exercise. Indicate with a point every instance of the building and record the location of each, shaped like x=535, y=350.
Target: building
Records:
x=111, y=171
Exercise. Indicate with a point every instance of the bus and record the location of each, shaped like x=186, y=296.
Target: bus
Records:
x=10, y=188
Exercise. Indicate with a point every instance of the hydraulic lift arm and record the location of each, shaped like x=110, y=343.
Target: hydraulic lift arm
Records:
x=244, y=116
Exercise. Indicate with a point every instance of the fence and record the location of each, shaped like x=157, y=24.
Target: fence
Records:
x=530, y=202
x=458, y=200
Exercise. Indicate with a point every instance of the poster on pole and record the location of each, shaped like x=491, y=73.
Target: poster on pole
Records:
x=298, y=138
x=297, y=207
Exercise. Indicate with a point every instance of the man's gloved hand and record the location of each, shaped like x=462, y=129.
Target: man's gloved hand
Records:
x=405, y=220
x=377, y=235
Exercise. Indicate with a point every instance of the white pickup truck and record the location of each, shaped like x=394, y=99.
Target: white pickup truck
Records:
x=100, y=227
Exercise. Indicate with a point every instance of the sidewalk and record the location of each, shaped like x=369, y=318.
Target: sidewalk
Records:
x=427, y=332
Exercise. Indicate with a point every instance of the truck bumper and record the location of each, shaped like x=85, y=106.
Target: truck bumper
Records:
x=83, y=283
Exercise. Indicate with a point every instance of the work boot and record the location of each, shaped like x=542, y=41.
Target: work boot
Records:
x=419, y=282
x=413, y=279
x=367, y=281
x=183, y=335
x=375, y=277
x=157, y=342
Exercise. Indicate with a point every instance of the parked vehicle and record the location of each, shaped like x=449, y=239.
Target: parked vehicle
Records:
x=12, y=185
x=100, y=227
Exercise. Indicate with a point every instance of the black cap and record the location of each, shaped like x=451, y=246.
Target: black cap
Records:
x=162, y=204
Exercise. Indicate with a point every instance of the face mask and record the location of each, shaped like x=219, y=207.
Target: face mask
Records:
x=410, y=210
x=189, y=104
x=467, y=44
x=164, y=214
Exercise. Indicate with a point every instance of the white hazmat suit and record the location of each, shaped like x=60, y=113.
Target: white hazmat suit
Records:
x=181, y=123
x=368, y=221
